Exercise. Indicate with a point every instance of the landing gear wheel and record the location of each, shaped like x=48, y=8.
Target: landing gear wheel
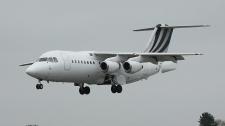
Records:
x=81, y=90
x=39, y=86
x=87, y=90
x=119, y=88
x=113, y=89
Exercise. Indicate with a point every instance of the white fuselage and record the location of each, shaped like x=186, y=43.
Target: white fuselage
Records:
x=82, y=67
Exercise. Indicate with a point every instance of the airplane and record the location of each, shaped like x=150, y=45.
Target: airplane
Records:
x=109, y=68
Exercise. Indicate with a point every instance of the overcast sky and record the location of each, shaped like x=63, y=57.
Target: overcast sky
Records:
x=29, y=28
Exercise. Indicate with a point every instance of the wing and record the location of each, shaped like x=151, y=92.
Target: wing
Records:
x=26, y=64
x=158, y=56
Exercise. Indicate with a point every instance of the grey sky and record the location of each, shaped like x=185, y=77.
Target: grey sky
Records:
x=28, y=28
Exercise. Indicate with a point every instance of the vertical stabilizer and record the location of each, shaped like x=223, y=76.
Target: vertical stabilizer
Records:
x=159, y=40
x=161, y=36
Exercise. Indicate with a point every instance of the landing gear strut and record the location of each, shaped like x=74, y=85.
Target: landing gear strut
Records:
x=39, y=86
x=84, y=90
x=116, y=89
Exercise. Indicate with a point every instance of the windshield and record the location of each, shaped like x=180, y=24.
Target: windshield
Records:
x=49, y=59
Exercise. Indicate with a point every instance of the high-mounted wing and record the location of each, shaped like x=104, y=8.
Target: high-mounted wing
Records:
x=158, y=56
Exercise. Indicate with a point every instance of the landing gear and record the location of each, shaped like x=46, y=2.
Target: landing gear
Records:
x=39, y=86
x=84, y=90
x=116, y=89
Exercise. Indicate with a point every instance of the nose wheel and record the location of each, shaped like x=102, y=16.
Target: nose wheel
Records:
x=39, y=86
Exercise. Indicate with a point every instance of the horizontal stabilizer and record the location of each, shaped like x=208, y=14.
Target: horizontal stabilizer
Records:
x=165, y=26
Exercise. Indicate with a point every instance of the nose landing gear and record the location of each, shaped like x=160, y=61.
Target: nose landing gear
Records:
x=39, y=86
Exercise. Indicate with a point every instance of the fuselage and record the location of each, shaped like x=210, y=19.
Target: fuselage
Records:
x=83, y=67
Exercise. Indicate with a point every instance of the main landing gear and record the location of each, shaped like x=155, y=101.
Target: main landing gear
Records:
x=116, y=89
x=39, y=86
x=83, y=90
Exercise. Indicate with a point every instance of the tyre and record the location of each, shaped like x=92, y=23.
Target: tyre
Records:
x=40, y=86
x=81, y=91
x=87, y=90
x=119, y=88
x=37, y=86
x=113, y=89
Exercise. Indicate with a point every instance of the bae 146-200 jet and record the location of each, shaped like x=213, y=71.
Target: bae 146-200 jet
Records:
x=109, y=68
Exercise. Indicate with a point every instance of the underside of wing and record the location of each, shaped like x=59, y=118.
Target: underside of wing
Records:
x=157, y=56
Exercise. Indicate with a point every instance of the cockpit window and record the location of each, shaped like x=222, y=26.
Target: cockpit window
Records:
x=55, y=59
x=50, y=59
x=42, y=59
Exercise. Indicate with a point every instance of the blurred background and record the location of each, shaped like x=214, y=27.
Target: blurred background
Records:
x=29, y=28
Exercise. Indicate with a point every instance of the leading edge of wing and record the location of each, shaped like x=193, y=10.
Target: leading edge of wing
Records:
x=143, y=54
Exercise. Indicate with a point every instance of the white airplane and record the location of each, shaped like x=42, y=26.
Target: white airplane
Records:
x=109, y=68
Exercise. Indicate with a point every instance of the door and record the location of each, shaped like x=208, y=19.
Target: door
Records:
x=67, y=62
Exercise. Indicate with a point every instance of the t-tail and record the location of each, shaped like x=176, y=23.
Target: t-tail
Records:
x=161, y=36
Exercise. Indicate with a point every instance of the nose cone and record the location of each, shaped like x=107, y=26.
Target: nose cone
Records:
x=31, y=71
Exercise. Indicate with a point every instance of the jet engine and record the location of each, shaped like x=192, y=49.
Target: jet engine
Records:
x=168, y=66
x=132, y=66
x=109, y=66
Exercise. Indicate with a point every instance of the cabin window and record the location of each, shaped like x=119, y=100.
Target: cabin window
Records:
x=78, y=61
x=81, y=61
x=75, y=61
x=84, y=62
x=87, y=62
x=93, y=62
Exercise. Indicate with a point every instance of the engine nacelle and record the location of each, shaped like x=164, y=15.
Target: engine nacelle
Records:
x=132, y=66
x=168, y=66
x=109, y=66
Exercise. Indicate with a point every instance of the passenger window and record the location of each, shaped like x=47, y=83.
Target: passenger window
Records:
x=87, y=62
x=75, y=61
x=93, y=62
x=55, y=59
x=84, y=62
x=72, y=61
x=81, y=61
x=78, y=61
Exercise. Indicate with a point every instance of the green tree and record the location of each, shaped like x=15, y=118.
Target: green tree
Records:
x=207, y=119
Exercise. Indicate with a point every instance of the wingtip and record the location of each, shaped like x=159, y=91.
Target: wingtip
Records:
x=206, y=25
x=199, y=54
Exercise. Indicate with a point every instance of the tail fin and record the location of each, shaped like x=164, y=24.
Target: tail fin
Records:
x=161, y=36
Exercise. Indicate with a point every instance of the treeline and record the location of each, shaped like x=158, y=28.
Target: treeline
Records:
x=207, y=119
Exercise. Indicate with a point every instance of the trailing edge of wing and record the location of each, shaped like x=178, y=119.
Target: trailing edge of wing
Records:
x=180, y=26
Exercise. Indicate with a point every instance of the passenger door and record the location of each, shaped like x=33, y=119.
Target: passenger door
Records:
x=67, y=62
